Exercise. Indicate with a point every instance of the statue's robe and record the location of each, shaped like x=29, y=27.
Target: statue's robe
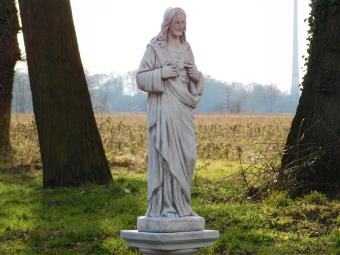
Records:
x=171, y=132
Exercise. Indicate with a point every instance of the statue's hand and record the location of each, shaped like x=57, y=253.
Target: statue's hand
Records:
x=193, y=73
x=169, y=71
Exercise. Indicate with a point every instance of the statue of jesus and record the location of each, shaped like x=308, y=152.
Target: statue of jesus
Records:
x=174, y=85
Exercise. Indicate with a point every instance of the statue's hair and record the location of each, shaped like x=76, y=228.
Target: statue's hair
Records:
x=169, y=14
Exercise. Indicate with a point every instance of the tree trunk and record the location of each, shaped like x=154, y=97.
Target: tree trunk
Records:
x=312, y=157
x=9, y=54
x=71, y=148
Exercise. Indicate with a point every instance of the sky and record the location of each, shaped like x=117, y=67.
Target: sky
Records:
x=233, y=41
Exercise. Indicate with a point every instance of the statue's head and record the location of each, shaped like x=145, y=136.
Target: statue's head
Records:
x=174, y=21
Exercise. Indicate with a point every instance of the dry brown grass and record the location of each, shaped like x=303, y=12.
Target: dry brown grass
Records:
x=124, y=136
x=229, y=119
x=23, y=118
x=207, y=119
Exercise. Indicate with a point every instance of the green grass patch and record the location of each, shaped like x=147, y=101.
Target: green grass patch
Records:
x=88, y=219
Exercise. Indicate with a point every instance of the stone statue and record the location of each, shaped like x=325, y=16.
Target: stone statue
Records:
x=174, y=85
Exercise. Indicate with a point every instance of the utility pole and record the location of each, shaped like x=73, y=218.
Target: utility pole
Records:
x=295, y=89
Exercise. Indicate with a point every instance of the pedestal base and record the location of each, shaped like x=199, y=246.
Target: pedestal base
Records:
x=169, y=243
x=170, y=225
x=176, y=252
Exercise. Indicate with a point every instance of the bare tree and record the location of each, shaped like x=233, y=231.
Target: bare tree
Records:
x=313, y=144
x=22, y=97
x=71, y=148
x=271, y=95
x=236, y=97
x=9, y=54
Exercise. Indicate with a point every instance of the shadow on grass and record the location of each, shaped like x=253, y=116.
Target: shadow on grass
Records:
x=84, y=220
x=88, y=219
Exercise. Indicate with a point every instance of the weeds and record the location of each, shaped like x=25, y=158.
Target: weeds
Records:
x=251, y=216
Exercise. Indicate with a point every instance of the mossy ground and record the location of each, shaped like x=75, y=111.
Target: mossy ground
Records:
x=88, y=219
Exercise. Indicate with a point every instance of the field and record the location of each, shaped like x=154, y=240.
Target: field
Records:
x=219, y=137
x=237, y=155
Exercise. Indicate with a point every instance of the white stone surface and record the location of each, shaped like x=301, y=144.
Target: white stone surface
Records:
x=175, y=252
x=169, y=75
x=174, y=85
x=169, y=243
x=169, y=225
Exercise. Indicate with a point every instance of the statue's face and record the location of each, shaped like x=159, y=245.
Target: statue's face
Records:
x=177, y=25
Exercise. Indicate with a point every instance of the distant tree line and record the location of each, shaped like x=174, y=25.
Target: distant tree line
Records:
x=119, y=93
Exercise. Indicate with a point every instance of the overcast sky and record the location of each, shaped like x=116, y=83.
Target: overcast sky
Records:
x=232, y=40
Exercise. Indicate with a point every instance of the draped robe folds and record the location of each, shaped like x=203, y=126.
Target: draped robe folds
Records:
x=171, y=133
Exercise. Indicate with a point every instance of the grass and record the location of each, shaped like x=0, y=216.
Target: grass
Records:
x=88, y=219
x=220, y=137
x=84, y=220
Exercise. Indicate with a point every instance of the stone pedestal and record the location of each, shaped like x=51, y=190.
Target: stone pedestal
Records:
x=169, y=243
x=160, y=235
x=170, y=225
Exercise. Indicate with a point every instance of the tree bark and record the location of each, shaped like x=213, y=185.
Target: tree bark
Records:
x=312, y=157
x=71, y=148
x=9, y=54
